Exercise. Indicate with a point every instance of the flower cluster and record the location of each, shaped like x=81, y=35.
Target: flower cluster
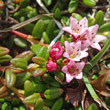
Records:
x=83, y=38
x=54, y=54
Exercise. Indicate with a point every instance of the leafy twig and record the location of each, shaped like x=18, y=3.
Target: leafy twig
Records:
x=19, y=25
x=58, y=23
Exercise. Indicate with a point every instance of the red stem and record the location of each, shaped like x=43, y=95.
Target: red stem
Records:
x=22, y=35
x=27, y=37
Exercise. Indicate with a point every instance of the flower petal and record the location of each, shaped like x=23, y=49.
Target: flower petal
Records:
x=66, y=55
x=65, y=69
x=51, y=66
x=79, y=76
x=68, y=29
x=96, y=46
x=85, y=44
x=73, y=23
x=83, y=54
x=83, y=22
x=56, y=45
x=68, y=47
x=56, y=51
x=77, y=46
x=99, y=38
x=69, y=78
x=80, y=65
x=93, y=31
x=79, y=57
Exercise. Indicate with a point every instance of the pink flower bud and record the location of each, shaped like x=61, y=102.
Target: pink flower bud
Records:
x=51, y=66
x=56, y=51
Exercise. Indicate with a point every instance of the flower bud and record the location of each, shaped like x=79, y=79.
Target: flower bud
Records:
x=51, y=66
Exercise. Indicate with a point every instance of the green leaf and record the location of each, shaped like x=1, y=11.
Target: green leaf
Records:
x=32, y=12
x=50, y=29
x=20, y=42
x=99, y=18
x=39, y=104
x=105, y=27
x=32, y=98
x=39, y=60
x=53, y=93
x=39, y=72
x=63, y=39
x=89, y=2
x=19, y=63
x=46, y=108
x=49, y=102
x=15, y=101
x=46, y=38
x=24, y=3
x=26, y=55
x=6, y=106
x=35, y=48
x=27, y=89
x=4, y=51
x=22, y=107
x=42, y=52
x=77, y=16
x=57, y=13
x=47, y=2
x=29, y=27
x=40, y=87
x=58, y=104
x=5, y=58
x=73, y=4
x=89, y=87
x=10, y=78
x=14, y=108
x=21, y=78
x=38, y=29
x=93, y=106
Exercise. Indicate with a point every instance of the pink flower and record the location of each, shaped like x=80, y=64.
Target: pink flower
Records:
x=51, y=66
x=73, y=70
x=56, y=51
x=85, y=42
x=95, y=39
x=76, y=28
x=73, y=51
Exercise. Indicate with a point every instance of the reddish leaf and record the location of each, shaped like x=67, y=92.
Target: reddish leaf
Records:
x=100, y=83
x=75, y=94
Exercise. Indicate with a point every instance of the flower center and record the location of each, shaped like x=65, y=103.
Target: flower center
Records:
x=76, y=31
x=72, y=70
x=56, y=49
x=72, y=55
x=83, y=37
